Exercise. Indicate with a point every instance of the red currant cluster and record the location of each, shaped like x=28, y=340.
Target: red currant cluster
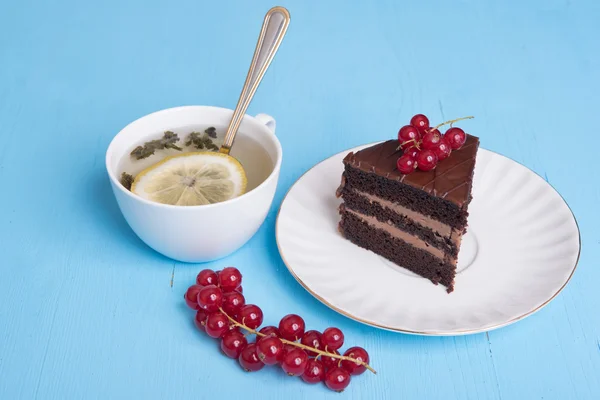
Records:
x=222, y=311
x=424, y=147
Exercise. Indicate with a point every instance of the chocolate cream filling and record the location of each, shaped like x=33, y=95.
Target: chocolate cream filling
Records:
x=428, y=222
x=402, y=235
x=438, y=227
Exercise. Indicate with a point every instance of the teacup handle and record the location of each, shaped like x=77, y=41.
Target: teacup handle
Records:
x=267, y=120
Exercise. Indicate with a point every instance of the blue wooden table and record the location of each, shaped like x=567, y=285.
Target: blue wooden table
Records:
x=88, y=311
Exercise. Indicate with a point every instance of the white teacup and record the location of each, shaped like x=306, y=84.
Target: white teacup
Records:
x=198, y=233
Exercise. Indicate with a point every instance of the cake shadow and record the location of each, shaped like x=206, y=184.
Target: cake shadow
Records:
x=333, y=203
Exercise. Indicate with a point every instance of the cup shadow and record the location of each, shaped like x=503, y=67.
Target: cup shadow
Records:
x=109, y=220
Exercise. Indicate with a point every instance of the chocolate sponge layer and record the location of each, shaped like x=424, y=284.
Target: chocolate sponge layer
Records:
x=407, y=196
x=397, y=251
x=361, y=204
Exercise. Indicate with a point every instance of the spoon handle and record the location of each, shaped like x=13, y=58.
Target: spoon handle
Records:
x=273, y=30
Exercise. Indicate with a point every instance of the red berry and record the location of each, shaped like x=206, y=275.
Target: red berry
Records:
x=337, y=379
x=312, y=339
x=456, y=137
x=411, y=151
x=200, y=320
x=421, y=122
x=216, y=325
x=232, y=327
x=232, y=343
x=443, y=149
x=210, y=298
x=408, y=135
x=294, y=362
x=406, y=164
x=269, y=330
x=287, y=348
x=358, y=353
x=431, y=139
x=229, y=279
x=207, y=277
x=250, y=315
x=291, y=327
x=249, y=359
x=232, y=302
x=269, y=350
x=427, y=160
x=330, y=362
x=314, y=371
x=332, y=339
x=191, y=297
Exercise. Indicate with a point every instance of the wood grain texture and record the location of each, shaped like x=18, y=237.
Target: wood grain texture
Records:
x=88, y=311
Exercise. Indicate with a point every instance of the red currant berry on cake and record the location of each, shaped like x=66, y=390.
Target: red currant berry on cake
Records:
x=431, y=139
x=250, y=315
x=421, y=122
x=406, y=164
x=411, y=151
x=191, y=297
x=269, y=350
x=229, y=279
x=443, y=149
x=210, y=298
x=312, y=339
x=332, y=339
x=207, y=277
x=232, y=302
x=408, y=135
x=314, y=371
x=232, y=343
x=427, y=160
x=269, y=330
x=200, y=320
x=294, y=362
x=249, y=359
x=337, y=379
x=291, y=327
x=216, y=325
x=456, y=137
x=358, y=353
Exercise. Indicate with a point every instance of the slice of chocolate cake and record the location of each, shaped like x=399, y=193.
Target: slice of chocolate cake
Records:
x=416, y=220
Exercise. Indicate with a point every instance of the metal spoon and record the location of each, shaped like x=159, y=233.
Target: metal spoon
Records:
x=273, y=30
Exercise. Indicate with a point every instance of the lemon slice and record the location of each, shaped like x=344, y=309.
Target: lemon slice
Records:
x=192, y=179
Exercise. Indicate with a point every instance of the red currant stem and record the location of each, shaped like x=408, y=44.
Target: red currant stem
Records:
x=450, y=122
x=300, y=345
x=416, y=144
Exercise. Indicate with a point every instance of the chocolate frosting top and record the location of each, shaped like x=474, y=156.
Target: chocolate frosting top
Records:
x=450, y=180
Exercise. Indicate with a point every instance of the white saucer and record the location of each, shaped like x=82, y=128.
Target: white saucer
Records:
x=521, y=249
